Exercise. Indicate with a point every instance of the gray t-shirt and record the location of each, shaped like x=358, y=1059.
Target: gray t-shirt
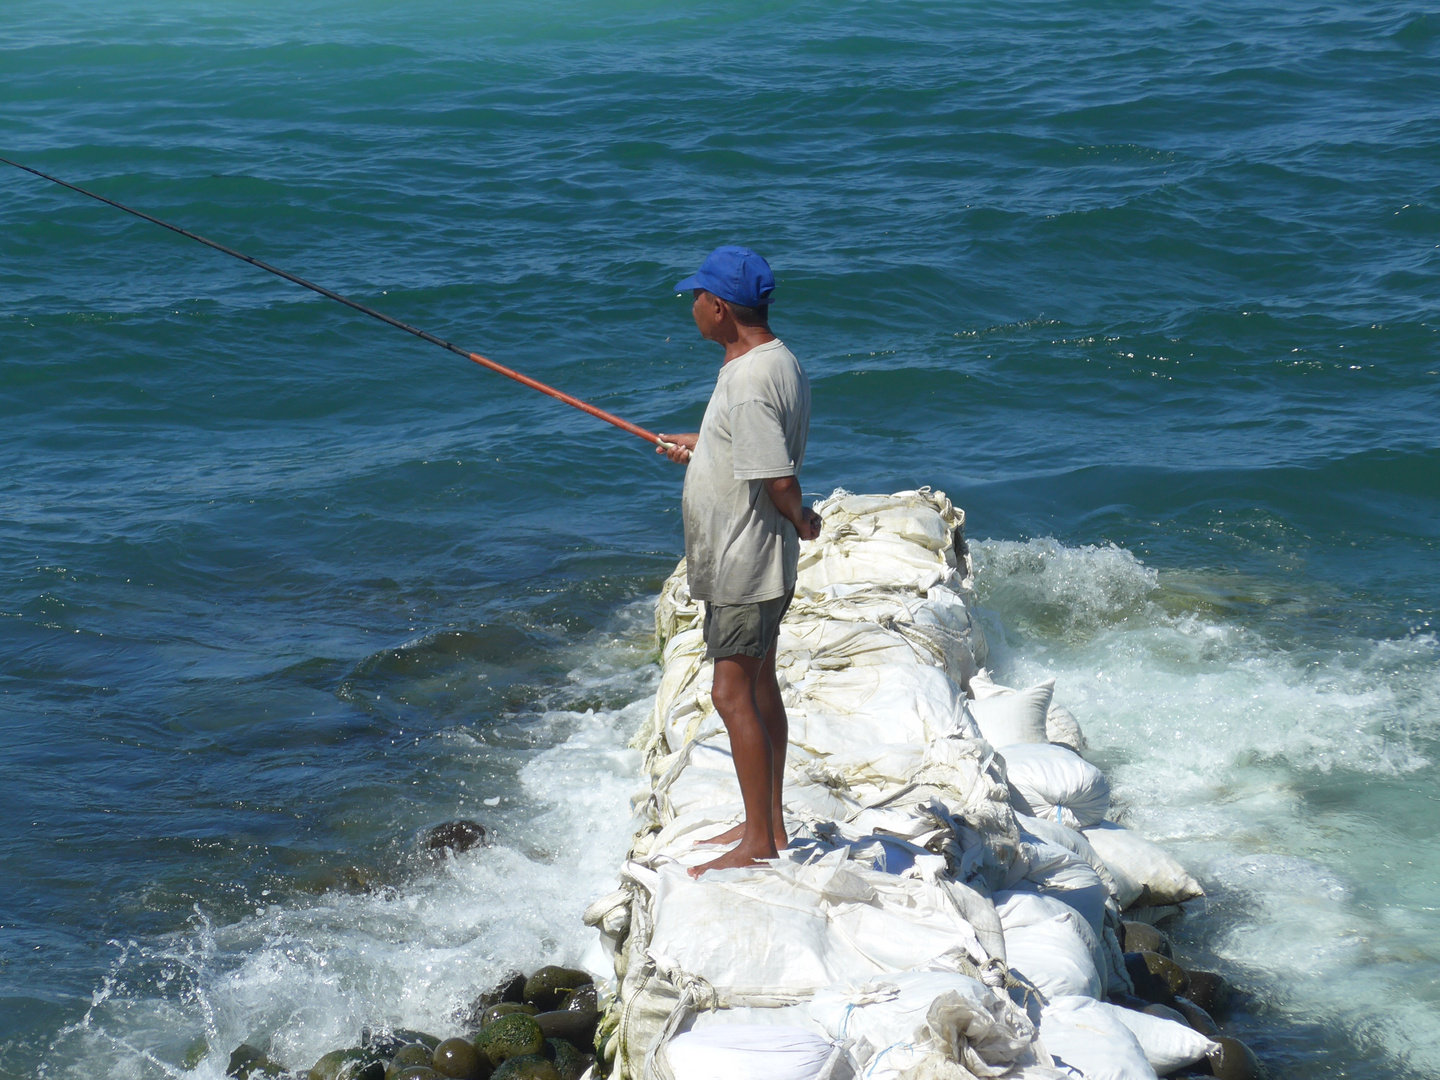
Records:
x=739, y=549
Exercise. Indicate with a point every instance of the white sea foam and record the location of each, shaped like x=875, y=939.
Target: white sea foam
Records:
x=1216, y=737
x=305, y=977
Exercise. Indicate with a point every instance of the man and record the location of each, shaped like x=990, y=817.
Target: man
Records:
x=743, y=525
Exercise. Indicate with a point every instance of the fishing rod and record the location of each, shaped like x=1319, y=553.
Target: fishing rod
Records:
x=509, y=373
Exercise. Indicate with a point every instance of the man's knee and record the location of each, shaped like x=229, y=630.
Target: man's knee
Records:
x=733, y=689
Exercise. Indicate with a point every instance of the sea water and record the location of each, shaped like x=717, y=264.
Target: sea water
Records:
x=1150, y=289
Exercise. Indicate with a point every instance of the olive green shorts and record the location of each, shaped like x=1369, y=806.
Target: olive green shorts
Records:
x=743, y=629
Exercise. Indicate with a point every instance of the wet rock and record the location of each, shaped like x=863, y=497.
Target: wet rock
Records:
x=1175, y=979
x=409, y=1036
x=1150, y=987
x=1210, y=991
x=247, y=1061
x=1235, y=1061
x=418, y=1072
x=527, y=1067
x=576, y=1027
x=515, y=1035
x=581, y=999
x=354, y=1063
x=510, y=988
x=546, y=988
x=458, y=1059
x=195, y=1053
x=569, y=1062
x=1197, y=1017
x=455, y=836
x=504, y=1008
x=413, y=1056
x=1142, y=937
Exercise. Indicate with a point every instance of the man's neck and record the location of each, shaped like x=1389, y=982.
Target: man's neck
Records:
x=749, y=337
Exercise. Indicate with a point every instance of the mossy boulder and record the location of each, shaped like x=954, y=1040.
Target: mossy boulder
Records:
x=546, y=988
x=416, y=1055
x=494, y=1012
x=515, y=1035
x=249, y=1061
x=1233, y=1061
x=354, y=1063
x=576, y=1027
x=459, y=1060
x=527, y=1067
x=569, y=1062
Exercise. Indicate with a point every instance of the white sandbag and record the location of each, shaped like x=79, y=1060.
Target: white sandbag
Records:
x=1062, y=728
x=1129, y=855
x=747, y=1052
x=1012, y=716
x=1053, y=782
x=1168, y=1044
x=1059, y=872
x=1086, y=1036
x=822, y=922
x=1055, y=954
x=899, y=1021
x=1072, y=840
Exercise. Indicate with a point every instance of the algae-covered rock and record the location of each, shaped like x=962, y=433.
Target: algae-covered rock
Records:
x=408, y=1036
x=409, y=1057
x=504, y=1008
x=1142, y=937
x=545, y=988
x=511, y=987
x=249, y=1061
x=455, y=836
x=576, y=1027
x=527, y=1067
x=418, y=1072
x=569, y=1062
x=1233, y=1061
x=355, y=1063
x=195, y=1052
x=1157, y=978
x=511, y=1036
x=458, y=1059
x=581, y=999
x=1210, y=991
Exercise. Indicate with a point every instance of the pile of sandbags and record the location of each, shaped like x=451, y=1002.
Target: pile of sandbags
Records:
x=949, y=904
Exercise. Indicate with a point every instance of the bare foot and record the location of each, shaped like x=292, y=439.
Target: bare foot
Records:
x=735, y=857
x=729, y=836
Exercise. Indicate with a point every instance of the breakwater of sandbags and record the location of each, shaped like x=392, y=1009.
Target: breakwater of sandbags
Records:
x=954, y=902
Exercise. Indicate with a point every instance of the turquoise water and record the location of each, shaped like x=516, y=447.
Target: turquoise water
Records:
x=1152, y=290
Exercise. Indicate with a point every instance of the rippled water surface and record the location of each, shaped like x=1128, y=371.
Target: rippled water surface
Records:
x=1152, y=290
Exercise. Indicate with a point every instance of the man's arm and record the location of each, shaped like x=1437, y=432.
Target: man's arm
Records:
x=683, y=447
x=784, y=492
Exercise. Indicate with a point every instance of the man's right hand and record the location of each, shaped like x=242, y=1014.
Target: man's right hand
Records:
x=680, y=448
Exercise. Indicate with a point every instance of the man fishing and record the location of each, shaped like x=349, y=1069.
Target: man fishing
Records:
x=743, y=525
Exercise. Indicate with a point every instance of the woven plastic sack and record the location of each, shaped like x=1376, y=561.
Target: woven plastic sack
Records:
x=1145, y=871
x=1168, y=1045
x=1053, y=782
x=747, y=1052
x=1084, y=1035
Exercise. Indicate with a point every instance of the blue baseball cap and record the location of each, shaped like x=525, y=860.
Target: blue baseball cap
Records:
x=735, y=274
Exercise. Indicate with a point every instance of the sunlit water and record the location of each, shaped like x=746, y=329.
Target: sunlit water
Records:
x=1151, y=291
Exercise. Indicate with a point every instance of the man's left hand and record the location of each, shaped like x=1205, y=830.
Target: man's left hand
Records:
x=810, y=523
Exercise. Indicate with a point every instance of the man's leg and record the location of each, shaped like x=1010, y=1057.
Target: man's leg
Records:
x=734, y=696
x=777, y=725
x=771, y=709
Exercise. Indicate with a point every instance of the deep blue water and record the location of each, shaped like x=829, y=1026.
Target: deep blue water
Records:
x=1151, y=289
